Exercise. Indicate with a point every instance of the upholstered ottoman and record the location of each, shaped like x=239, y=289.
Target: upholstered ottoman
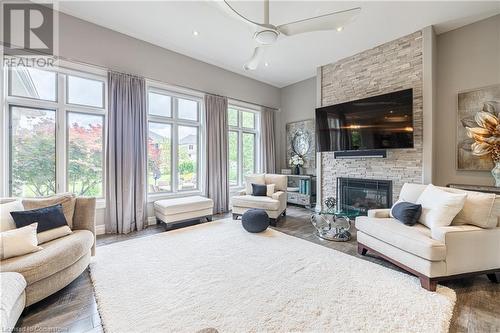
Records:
x=13, y=299
x=255, y=220
x=184, y=209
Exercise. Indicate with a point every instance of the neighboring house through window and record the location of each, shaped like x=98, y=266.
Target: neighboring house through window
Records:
x=173, y=141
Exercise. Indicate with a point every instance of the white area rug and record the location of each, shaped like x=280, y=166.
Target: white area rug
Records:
x=217, y=275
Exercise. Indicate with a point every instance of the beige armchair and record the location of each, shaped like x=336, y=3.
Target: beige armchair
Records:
x=442, y=253
x=274, y=205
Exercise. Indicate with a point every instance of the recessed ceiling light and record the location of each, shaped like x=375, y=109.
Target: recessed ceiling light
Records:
x=339, y=29
x=266, y=64
x=195, y=33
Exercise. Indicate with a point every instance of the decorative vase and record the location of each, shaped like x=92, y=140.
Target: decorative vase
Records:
x=496, y=173
x=297, y=170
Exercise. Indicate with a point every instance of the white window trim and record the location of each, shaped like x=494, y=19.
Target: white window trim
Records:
x=62, y=108
x=240, y=106
x=183, y=93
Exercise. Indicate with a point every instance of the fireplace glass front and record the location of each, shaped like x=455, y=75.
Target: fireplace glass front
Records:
x=359, y=195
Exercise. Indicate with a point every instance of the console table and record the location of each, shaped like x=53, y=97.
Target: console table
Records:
x=477, y=188
x=306, y=194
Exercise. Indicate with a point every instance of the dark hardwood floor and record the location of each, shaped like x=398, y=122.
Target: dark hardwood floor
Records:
x=74, y=308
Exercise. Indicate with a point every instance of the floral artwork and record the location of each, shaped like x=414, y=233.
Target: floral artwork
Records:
x=478, y=130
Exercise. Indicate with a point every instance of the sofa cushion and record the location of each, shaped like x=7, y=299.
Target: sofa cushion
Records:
x=439, y=207
x=406, y=212
x=6, y=220
x=416, y=239
x=259, y=190
x=477, y=209
x=254, y=179
x=182, y=205
x=55, y=256
x=12, y=286
x=280, y=181
x=67, y=200
x=250, y=201
x=18, y=242
x=47, y=218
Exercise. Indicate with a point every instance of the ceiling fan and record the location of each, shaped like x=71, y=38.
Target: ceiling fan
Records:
x=267, y=34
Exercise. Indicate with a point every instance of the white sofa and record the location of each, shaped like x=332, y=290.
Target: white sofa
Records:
x=13, y=299
x=439, y=254
x=274, y=205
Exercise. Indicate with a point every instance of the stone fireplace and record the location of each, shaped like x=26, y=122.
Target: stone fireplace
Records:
x=390, y=67
x=360, y=195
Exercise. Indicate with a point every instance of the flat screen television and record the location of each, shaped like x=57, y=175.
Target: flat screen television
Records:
x=379, y=122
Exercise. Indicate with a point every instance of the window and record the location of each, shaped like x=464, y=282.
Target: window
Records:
x=85, y=154
x=33, y=83
x=173, y=142
x=33, y=152
x=56, y=132
x=85, y=92
x=242, y=150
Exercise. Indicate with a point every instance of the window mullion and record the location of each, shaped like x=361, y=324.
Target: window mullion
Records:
x=175, y=146
x=61, y=137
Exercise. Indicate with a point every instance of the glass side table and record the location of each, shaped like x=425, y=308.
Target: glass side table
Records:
x=333, y=225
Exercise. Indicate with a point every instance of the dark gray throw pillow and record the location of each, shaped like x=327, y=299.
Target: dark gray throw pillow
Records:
x=47, y=218
x=406, y=212
x=259, y=190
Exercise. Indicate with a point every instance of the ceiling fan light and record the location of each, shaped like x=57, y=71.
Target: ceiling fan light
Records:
x=266, y=37
x=339, y=29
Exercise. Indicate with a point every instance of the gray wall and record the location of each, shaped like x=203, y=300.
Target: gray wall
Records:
x=467, y=58
x=298, y=102
x=87, y=42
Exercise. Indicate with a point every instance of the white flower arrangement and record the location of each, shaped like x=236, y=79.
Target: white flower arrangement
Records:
x=296, y=160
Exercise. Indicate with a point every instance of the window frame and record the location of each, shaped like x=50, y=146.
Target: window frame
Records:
x=240, y=130
x=175, y=93
x=61, y=108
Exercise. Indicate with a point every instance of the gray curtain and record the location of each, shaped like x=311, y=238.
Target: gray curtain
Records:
x=126, y=171
x=216, y=178
x=267, y=138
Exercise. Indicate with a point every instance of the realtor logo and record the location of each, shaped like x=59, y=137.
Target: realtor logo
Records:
x=28, y=29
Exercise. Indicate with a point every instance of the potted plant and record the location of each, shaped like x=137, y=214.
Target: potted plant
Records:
x=486, y=136
x=296, y=161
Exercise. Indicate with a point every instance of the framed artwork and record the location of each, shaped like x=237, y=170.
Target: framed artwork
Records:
x=469, y=104
x=301, y=141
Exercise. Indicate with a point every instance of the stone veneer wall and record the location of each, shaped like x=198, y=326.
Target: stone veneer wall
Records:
x=393, y=66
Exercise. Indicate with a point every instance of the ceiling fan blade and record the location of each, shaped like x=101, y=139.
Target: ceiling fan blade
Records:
x=253, y=62
x=330, y=21
x=231, y=11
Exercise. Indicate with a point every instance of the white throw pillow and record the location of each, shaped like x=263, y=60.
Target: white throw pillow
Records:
x=254, y=179
x=270, y=189
x=439, y=207
x=47, y=236
x=6, y=220
x=477, y=209
x=18, y=242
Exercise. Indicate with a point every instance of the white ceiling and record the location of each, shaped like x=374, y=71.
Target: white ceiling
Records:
x=227, y=42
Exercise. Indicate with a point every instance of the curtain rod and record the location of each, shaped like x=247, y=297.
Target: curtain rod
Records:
x=157, y=81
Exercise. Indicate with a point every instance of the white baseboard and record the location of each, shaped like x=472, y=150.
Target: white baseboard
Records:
x=151, y=220
x=99, y=229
